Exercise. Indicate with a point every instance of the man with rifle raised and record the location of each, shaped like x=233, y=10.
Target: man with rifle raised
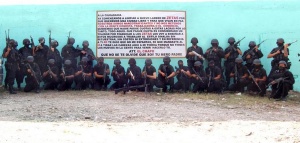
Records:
x=40, y=54
x=149, y=75
x=33, y=76
x=281, y=81
x=251, y=54
x=101, y=72
x=199, y=78
x=83, y=75
x=24, y=52
x=183, y=77
x=258, y=76
x=215, y=53
x=214, y=75
x=280, y=53
x=166, y=75
x=11, y=66
x=118, y=74
x=240, y=75
x=53, y=53
x=50, y=77
x=69, y=52
x=231, y=53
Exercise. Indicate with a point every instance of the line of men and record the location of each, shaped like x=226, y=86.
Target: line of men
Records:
x=49, y=63
x=251, y=74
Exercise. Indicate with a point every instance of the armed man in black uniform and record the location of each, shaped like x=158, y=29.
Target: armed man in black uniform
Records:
x=134, y=73
x=53, y=53
x=240, y=75
x=33, y=76
x=279, y=53
x=199, y=78
x=231, y=53
x=24, y=52
x=83, y=75
x=258, y=84
x=149, y=74
x=166, y=75
x=51, y=76
x=118, y=74
x=194, y=53
x=40, y=54
x=282, y=81
x=69, y=52
x=87, y=52
x=215, y=53
x=251, y=54
x=101, y=72
x=11, y=65
x=214, y=75
x=66, y=76
x=183, y=77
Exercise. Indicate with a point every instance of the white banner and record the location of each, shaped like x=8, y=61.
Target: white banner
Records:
x=141, y=33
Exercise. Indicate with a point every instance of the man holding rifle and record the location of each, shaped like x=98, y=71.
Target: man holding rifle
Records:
x=231, y=53
x=50, y=76
x=101, y=72
x=166, y=75
x=194, y=53
x=214, y=75
x=149, y=74
x=251, y=54
x=83, y=75
x=33, y=76
x=258, y=77
x=134, y=73
x=118, y=74
x=40, y=54
x=11, y=66
x=281, y=81
x=199, y=78
x=240, y=76
x=183, y=77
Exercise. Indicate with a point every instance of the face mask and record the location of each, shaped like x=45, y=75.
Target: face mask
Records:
x=194, y=43
x=180, y=65
x=100, y=62
x=84, y=63
x=279, y=44
x=214, y=45
x=231, y=43
x=148, y=64
x=239, y=64
x=131, y=65
x=166, y=63
x=257, y=66
x=251, y=47
x=26, y=45
x=281, y=68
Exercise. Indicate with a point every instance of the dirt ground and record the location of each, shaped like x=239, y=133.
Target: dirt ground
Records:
x=93, y=116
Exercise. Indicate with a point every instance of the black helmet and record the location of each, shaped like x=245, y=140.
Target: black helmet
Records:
x=148, y=61
x=100, y=59
x=252, y=44
x=231, y=40
x=197, y=63
x=30, y=59
x=85, y=42
x=12, y=42
x=280, y=40
x=41, y=39
x=71, y=40
x=51, y=61
x=117, y=61
x=214, y=41
x=282, y=62
x=256, y=62
x=238, y=60
x=68, y=62
x=131, y=61
x=166, y=59
x=26, y=41
x=84, y=59
x=194, y=39
x=54, y=43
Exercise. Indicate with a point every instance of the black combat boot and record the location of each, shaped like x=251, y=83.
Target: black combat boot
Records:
x=11, y=90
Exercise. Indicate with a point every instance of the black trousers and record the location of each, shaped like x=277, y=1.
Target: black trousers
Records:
x=31, y=84
x=253, y=87
x=100, y=84
x=65, y=85
x=83, y=82
x=239, y=86
x=183, y=84
x=162, y=83
x=215, y=86
x=199, y=86
x=281, y=90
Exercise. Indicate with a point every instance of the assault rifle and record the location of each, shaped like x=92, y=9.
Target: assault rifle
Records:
x=253, y=79
x=104, y=73
x=278, y=80
x=198, y=75
x=50, y=38
x=7, y=38
x=289, y=44
x=82, y=73
x=116, y=70
x=87, y=53
x=33, y=74
x=69, y=37
x=145, y=78
x=165, y=72
x=209, y=78
x=126, y=88
x=64, y=74
x=50, y=71
x=250, y=51
x=198, y=55
x=237, y=43
x=236, y=74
